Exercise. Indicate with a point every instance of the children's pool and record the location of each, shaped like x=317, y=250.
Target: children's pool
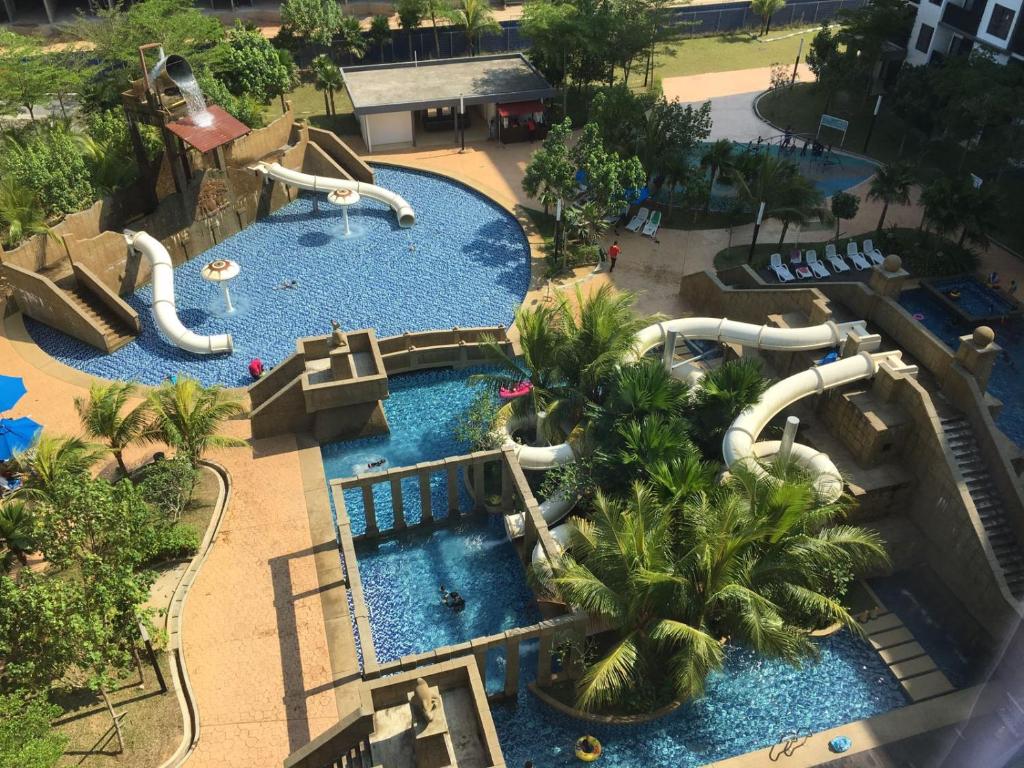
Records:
x=1006, y=382
x=466, y=262
x=752, y=704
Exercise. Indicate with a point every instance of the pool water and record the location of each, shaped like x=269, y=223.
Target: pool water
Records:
x=976, y=300
x=466, y=262
x=750, y=705
x=1006, y=382
x=401, y=578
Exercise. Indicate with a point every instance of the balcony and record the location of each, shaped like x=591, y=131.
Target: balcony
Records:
x=966, y=20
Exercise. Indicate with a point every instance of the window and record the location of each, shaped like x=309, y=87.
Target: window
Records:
x=1000, y=22
x=924, y=38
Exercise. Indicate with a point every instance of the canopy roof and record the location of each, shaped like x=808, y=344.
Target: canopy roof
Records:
x=520, y=108
x=206, y=138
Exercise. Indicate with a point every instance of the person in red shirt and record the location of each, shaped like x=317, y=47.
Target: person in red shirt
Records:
x=256, y=368
x=613, y=254
x=531, y=129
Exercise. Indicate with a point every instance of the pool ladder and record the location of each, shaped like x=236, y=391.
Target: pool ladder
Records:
x=787, y=745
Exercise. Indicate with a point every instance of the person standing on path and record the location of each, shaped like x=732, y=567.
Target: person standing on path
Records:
x=613, y=254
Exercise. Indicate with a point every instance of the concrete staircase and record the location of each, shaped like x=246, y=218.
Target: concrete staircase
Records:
x=986, y=500
x=357, y=757
x=115, y=332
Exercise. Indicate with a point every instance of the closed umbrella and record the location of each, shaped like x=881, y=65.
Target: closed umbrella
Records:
x=16, y=435
x=11, y=390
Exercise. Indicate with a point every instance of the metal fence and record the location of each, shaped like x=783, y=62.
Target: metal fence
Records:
x=691, y=21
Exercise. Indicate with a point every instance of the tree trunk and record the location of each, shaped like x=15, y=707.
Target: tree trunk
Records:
x=114, y=718
x=334, y=106
x=881, y=219
x=119, y=457
x=31, y=112
x=327, y=104
x=138, y=665
x=785, y=228
x=963, y=236
x=63, y=111
x=284, y=104
x=768, y=26
x=838, y=222
x=711, y=186
x=437, y=38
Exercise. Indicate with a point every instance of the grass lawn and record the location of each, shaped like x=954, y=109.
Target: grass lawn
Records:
x=151, y=723
x=802, y=107
x=725, y=53
x=308, y=104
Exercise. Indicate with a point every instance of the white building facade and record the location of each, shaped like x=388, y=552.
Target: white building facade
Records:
x=956, y=27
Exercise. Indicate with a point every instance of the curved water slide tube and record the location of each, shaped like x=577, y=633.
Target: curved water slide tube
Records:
x=739, y=446
x=165, y=311
x=276, y=171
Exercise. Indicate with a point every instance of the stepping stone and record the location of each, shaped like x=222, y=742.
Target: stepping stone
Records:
x=912, y=667
x=901, y=652
x=927, y=686
x=891, y=637
x=882, y=623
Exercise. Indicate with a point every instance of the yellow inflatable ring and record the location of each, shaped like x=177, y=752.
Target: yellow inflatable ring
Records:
x=588, y=756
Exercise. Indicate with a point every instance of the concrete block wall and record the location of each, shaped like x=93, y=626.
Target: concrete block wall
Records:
x=865, y=432
x=716, y=299
x=261, y=142
x=41, y=299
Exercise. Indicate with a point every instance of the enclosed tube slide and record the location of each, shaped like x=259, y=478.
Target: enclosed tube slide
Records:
x=165, y=311
x=276, y=171
x=739, y=447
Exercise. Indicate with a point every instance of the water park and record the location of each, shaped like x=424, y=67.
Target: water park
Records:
x=484, y=428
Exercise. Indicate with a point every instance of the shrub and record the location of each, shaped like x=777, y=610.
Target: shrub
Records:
x=925, y=254
x=476, y=425
x=176, y=542
x=168, y=485
x=243, y=108
x=249, y=65
x=48, y=162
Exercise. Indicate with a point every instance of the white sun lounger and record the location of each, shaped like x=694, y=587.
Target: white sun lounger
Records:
x=873, y=253
x=638, y=220
x=854, y=255
x=781, y=270
x=816, y=266
x=651, y=227
x=835, y=259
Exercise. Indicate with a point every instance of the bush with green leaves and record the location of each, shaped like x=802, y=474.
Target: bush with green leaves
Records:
x=244, y=108
x=249, y=65
x=48, y=162
x=475, y=426
x=168, y=485
x=26, y=738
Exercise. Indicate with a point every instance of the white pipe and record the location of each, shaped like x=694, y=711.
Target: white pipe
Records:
x=165, y=311
x=276, y=171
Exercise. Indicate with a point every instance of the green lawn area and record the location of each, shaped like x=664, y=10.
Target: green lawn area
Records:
x=725, y=53
x=803, y=105
x=308, y=104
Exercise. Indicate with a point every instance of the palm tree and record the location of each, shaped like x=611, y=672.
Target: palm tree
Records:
x=724, y=393
x=17, y=534
x=327, y=79
x=434, y=10
x=106, y=163
x=944, y=202
x=717, y=158
x=619, y=567
x=102, y=418
x=53, y=459
x=891, y=184
x=778, y=183
x=767, y=9
x=585, y=223
x=21, y=213
x=800, y=201
x=475, y=18
x=980, y=214
x=188, y=416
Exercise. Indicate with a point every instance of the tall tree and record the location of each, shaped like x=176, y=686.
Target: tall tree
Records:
x=550, y=174
x=891, y=184
x=766, y=9
x=476, y=19
x=102, y=417
x=189, y=417
x=25, y=73
x=317, y=21
x=247, y=63
x=844, y=206
x=327, y=78
x=608, y=175
x=53, y=459
x=723, y=394
x=717, y=158
x=437, y=10
x=380, y=32
x=410, y=14
x=17, y=533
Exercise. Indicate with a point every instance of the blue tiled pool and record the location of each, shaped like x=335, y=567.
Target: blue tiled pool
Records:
x=465, y=262
x=1007, y=381
x=976, y=300
x=752, y=704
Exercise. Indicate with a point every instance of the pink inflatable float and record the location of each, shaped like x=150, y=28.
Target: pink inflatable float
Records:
x=522, y=388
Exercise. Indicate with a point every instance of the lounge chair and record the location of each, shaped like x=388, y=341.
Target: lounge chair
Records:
x=638, y=220
x=873, y=253
x=781, y=270
x=816, y=266
x=796, y=261
x=651, y=227
x=835, y=259
x=854, y=255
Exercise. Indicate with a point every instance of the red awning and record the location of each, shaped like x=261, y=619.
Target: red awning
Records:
x=206, y=138
x=520, y=108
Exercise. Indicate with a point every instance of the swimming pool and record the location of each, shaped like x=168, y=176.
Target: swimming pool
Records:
x=750, y=705
x=977, y=302
x=1006, y=381
x=466, y=262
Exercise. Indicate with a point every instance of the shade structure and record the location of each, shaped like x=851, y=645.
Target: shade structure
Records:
x=11, y=390
x=16, y=435
x=520, y=108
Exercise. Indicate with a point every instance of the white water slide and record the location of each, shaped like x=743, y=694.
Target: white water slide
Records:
x=740, y=443
x=165, y=311
x=276, y=171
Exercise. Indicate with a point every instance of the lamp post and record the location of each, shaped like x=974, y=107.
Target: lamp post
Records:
x=757, y=228
x=462, y=122
x=558, y=227
x=871, y=125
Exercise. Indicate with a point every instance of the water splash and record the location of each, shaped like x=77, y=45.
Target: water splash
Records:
x=195, y=102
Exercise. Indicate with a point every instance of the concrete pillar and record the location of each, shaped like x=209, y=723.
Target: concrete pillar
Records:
x=426, y=515
x=453, y=489
x=888, y=278
x=856, y=343
x=788, y=437
x=507, y=500
x=978, y=353
x=479, y=489
x=544, y=660
x=369, y=510
x=397, y=503
x=670, y=350
x=511, y=667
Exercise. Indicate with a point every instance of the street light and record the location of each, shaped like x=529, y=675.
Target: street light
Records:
x=871, y=125
x=757, y=228
x=462, y=122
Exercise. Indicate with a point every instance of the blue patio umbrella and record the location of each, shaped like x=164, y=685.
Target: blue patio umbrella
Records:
x=17, y=435
x=11, y=390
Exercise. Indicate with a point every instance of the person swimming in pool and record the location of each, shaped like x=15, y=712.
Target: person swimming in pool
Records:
x=452, y=600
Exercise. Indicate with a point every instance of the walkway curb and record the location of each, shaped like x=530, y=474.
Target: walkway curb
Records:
x=175, y=619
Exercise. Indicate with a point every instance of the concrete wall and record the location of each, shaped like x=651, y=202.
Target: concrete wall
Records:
x=342, y=154
x=716, y=299
x=41, y=299
x=261, y=142
x=387, y=128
